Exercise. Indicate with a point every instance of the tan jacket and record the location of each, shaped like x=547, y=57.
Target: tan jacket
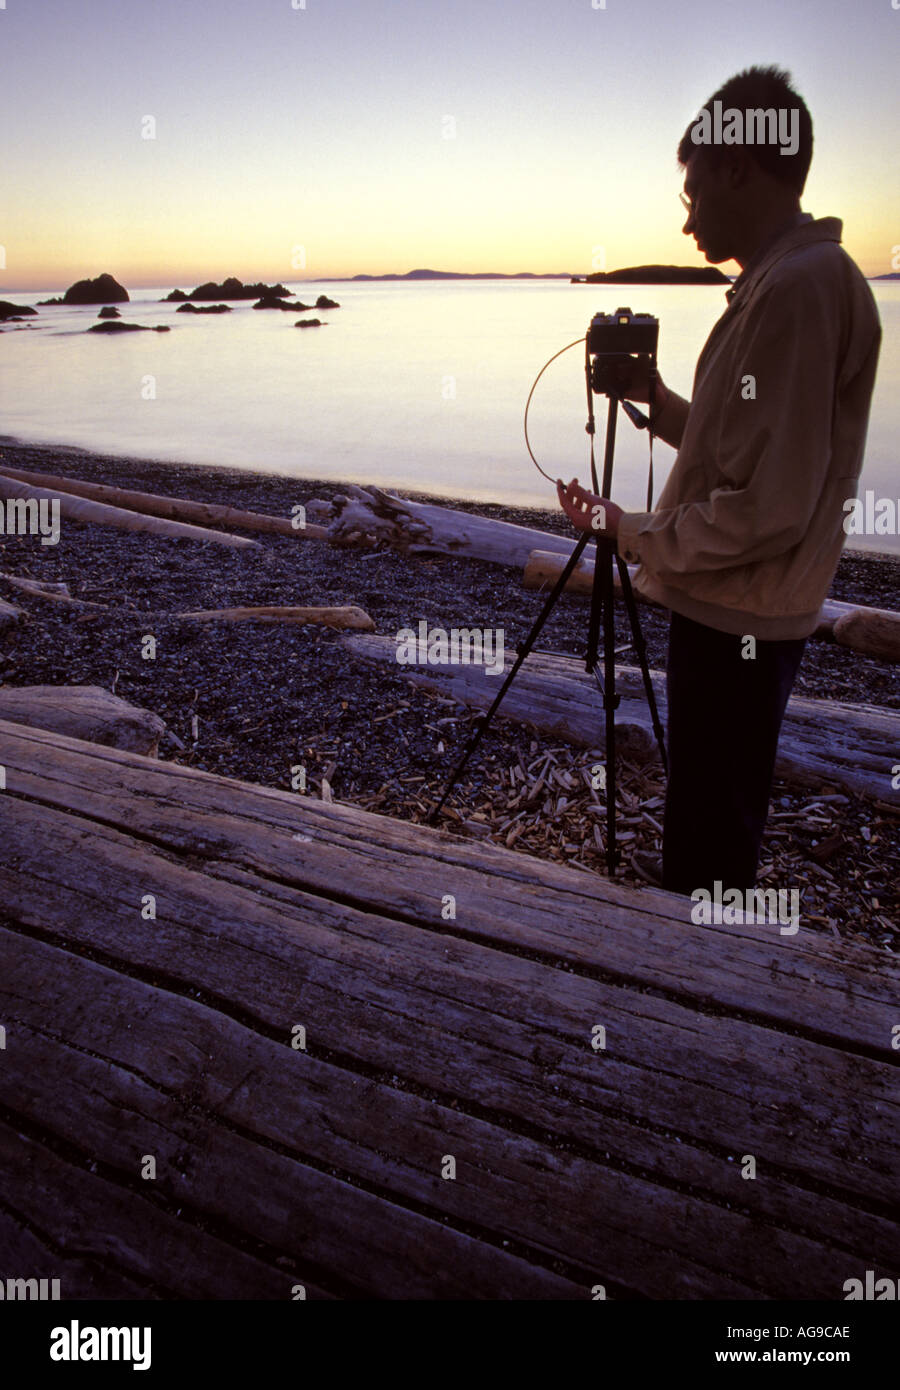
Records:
x=748, y=529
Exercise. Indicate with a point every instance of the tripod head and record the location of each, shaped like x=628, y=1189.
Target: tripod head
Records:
x=612, y=347
x=612, y=344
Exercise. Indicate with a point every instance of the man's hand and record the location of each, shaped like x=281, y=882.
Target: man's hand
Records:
x=633, y=376
x=587, y=511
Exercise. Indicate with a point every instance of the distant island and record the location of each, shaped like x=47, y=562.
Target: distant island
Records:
x=892, y=275
x=455, y=275
x=655, y=275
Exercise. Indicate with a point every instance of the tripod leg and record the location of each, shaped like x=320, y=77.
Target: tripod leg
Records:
x=523, y=652
x=596, y=613
x=609, y=702
x=641, y=648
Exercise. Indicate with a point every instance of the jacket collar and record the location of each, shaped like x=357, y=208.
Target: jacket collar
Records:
x=804, y=231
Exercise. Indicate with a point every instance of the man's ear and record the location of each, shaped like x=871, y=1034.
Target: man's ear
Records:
x=739, y=168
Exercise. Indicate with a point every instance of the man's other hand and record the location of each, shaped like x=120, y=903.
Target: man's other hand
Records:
x=587, y=511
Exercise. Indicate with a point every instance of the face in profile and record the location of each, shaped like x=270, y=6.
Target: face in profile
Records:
x=713, y=210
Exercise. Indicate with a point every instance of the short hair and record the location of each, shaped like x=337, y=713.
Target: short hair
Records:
x=754, y=89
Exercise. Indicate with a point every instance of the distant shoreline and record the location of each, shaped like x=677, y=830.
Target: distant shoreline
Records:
x=416, y=275
x=444, y=276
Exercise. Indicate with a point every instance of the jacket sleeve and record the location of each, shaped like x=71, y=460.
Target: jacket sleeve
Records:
x=774, y=415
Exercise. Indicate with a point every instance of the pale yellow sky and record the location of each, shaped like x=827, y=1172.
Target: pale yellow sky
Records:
x=517, y=136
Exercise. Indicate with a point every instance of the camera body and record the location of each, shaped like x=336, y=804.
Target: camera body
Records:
x=614, y=338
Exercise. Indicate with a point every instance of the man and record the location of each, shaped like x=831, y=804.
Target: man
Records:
x=748, y=530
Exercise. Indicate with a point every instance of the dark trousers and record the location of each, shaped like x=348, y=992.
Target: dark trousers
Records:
x=724, y=718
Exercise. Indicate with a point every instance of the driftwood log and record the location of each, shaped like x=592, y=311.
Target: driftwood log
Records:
x=86, y=712
x=853, y=746
x=51, y=593
x=101, y=514
x=875, y=631
x=348, y=617
x=304, y=1040
x=174, y=508
x=370, y=515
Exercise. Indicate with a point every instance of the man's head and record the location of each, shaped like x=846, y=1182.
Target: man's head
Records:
x=739, y=183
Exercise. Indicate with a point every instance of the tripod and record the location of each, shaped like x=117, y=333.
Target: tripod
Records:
x=601, y=611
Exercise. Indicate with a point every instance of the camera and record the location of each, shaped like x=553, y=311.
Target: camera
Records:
x=612, y=339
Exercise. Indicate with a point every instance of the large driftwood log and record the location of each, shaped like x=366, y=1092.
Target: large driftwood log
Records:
x=853, y=746
x=101, y=514
x=875, y=631
x=425, y=1038
x=348, y=617
x=84, y=711
x=173, y=508
x=372, y=515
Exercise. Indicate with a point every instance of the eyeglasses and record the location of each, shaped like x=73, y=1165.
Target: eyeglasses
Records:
x=687, y=203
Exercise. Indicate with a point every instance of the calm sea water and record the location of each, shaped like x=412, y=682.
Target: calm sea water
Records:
x=412, y=385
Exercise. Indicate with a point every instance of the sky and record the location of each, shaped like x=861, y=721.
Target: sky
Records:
x=299, y=139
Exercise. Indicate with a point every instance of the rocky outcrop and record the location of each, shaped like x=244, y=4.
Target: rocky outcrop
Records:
x=10, y=313
x=112, y=326
x=323, y=302
x=109, y=312
x=103, y=290
x=232, y=288
x=203, y=309
x=271, y=301
x=308, y=323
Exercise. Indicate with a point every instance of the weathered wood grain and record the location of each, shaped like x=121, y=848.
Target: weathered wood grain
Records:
x=210, y=1063
x=105, y=1240
x=427, y=1037
x=831, y=989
